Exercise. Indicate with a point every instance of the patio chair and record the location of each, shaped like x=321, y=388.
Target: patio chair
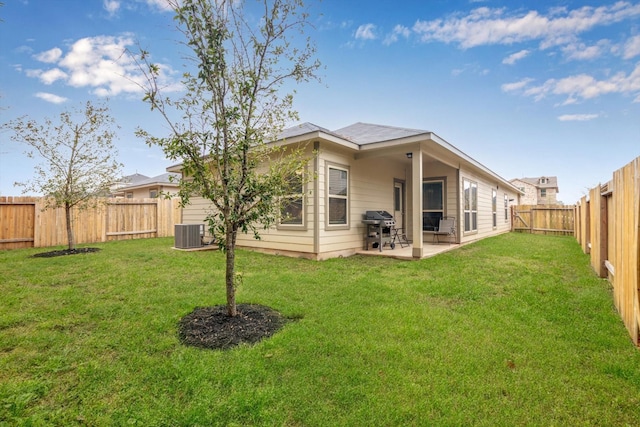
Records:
x=446, y=227
x=400, y=236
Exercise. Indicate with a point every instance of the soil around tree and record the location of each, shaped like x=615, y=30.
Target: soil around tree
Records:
x=213, y=328
x=64, y=252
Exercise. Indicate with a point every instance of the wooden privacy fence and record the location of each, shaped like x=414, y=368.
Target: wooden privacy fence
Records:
x=608, y=229
x=24, y=223
x=538, y=219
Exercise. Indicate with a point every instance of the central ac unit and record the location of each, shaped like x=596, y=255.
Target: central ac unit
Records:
x=189, y=236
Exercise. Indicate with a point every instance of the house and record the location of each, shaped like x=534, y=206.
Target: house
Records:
x=413, y=174
x=538, y=191
x=140, y=186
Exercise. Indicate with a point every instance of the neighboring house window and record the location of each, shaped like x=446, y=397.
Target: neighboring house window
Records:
x=543, y=192
x=129, y=195
x=432, y=204
x=506, y=208
x=338, y=195
x=470, y=206
x=292, y=205
x=494, y=207
x=543, y=180
x=153, y=193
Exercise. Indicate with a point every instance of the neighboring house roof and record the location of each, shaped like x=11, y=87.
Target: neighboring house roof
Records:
x=160, y=180
x=551, y=181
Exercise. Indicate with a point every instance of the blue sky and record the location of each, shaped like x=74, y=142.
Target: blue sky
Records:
x=526, y=88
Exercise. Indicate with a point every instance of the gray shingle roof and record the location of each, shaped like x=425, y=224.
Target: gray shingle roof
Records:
x=366, y=133
x=162, y=179
x=303, y=129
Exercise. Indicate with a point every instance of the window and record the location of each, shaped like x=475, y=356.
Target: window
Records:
x=153, y=193
x=494, y=207
x=506, y=208
x=129, y=195
x=432, y=204
x=292, y=205
x=338, y=196
x=470, y=206
x=543, y=192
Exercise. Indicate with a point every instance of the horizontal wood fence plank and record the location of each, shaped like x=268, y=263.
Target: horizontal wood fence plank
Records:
x=16, y=240
x=127, y=233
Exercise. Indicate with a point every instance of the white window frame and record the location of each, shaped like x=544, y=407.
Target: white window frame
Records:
x=302, y=225
x=494, y=207
x=470, y=206
x=506, y=207
x=347, y=197
x=151, y=193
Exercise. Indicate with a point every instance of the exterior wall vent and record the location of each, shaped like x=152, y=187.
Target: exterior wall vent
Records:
x=188, y=236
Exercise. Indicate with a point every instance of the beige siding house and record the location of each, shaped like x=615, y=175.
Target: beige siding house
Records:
x=538, y=191
x=167, y=183
x=413, y=174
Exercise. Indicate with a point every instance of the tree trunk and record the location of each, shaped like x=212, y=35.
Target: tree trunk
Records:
x=230, y=273
x=67, y=211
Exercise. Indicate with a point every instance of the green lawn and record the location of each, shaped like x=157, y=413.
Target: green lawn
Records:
x=513, y=330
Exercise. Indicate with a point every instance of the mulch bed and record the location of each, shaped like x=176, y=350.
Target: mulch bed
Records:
x=64, y=252
x=211, y=327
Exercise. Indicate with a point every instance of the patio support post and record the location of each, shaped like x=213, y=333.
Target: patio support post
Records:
x=416, y=209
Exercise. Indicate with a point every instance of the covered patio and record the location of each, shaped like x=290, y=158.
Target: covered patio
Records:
x=406, y=253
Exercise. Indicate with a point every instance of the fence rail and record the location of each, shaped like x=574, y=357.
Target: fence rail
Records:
x=608, y=229
x=24, y=222
x=537, y=219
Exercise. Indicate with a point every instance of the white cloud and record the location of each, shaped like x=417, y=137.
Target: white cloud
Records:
x=577, y=117
x=111, y=6
x=485, y=26
x=516, y=86
x=581, y=86
x=514, y=57
x=580, y=51
x=398, y=31
x=366, y=32
x=49, y=97
x=51, y=76
x=50, y=56
x=100, y=63
x=632, y=48
x=162, y=5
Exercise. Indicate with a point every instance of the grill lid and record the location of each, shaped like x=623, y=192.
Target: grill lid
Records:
x=379, y=215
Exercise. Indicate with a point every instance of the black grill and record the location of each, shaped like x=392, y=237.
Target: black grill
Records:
x=379, y=229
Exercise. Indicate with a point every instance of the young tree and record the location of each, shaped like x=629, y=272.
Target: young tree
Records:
x=232, y=107
x=79, y=158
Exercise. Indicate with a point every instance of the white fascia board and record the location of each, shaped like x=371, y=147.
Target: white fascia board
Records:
x=318, y=135
x=396, y=142
x=175, y=168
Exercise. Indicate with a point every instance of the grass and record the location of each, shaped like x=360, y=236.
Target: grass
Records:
x=512, y=330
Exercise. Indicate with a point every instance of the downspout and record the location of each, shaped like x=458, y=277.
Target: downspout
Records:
x=316, y=199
